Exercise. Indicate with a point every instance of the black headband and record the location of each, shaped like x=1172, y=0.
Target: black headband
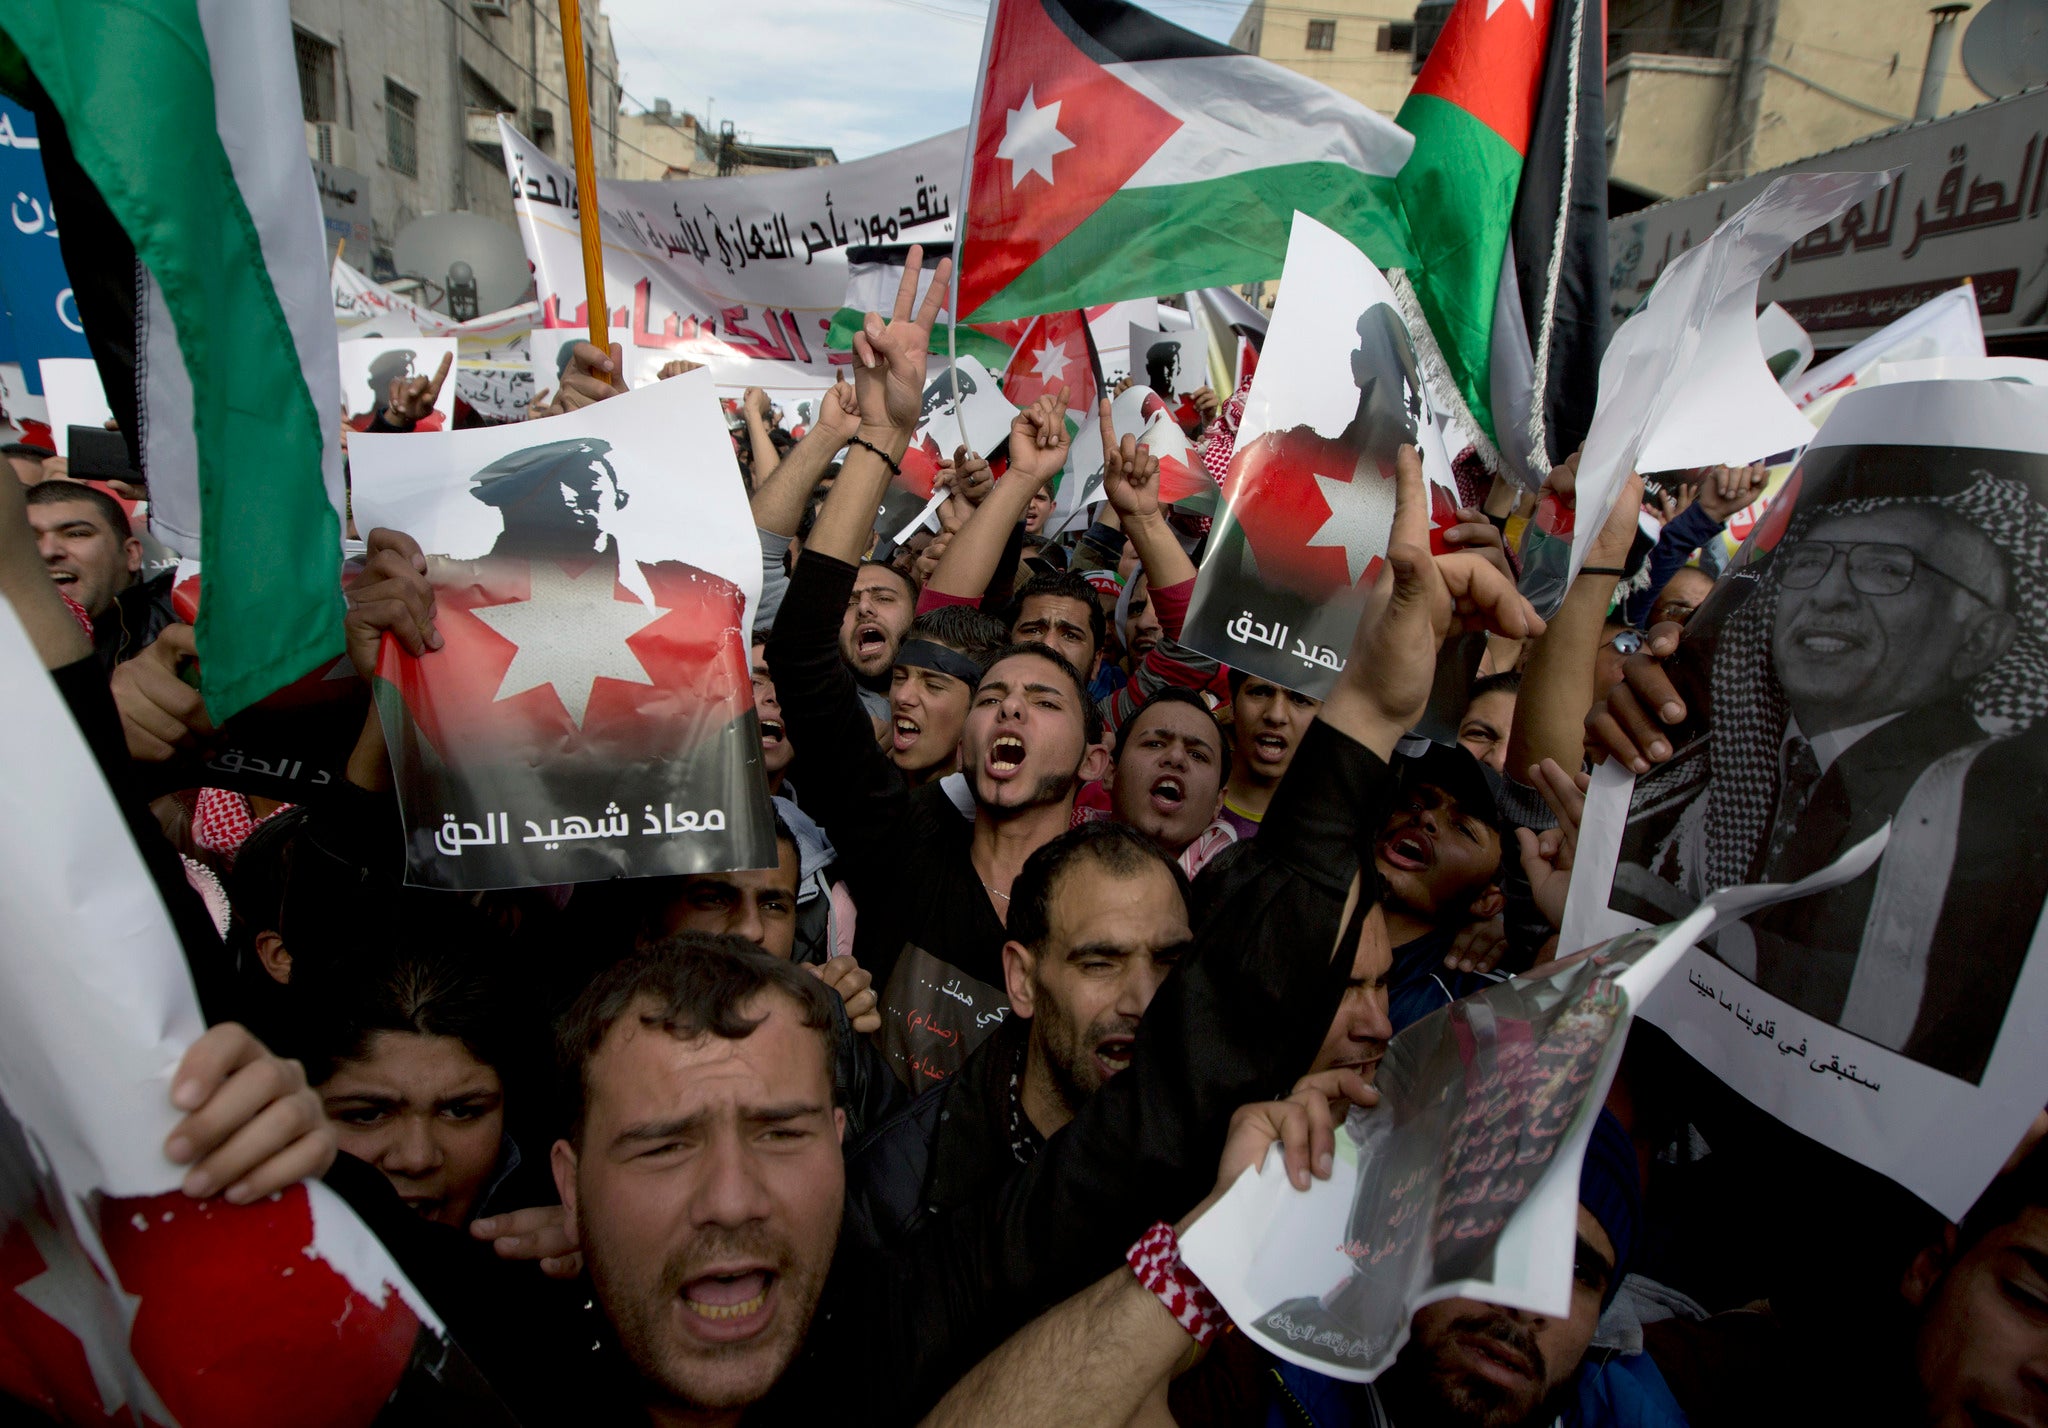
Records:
x=925, y=654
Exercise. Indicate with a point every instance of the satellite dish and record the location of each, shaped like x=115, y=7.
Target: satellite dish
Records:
x=2005, y=49
x=428, y=247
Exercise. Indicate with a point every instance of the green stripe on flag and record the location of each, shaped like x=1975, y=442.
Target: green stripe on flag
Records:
x=1148, y=241
x=1458, y=190
x=980, y=346
x=133, y=81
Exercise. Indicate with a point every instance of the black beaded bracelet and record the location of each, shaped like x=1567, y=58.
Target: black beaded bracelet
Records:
x=1616, y=571
x=887, y=460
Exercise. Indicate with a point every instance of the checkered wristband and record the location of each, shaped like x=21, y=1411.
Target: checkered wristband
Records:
x=1156, y=1260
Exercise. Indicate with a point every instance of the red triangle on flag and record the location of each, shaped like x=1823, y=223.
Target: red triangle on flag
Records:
x=1058, y=135
x=1052, y=354
x=1489, y=61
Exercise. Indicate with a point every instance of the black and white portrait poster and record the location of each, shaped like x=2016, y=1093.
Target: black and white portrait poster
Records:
x=1171, y=365
x=590, y=714
x=1310, y=489
x=1873, y=666
x=369, y=365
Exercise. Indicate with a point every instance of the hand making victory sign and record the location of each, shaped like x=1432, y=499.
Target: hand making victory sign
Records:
x=888, y=372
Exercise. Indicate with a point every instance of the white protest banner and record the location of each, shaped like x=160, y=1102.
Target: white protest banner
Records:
x=1875, y=658
x=73, y=396
x=119, y=1295
x=590, y=713
x=1463, y=1182
x=369, y=365
x=743, y=273
x=1310, y=488
x=1684, y=382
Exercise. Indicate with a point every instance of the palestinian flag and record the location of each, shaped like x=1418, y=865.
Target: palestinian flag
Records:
x=1116, y=155
x=1506, y=205
x=873, y=274
x=232, y=302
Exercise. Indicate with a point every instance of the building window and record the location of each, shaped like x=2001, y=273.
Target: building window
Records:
x=401, y=129
x=1322, y=34
x=316, y=76
x=1397, y=38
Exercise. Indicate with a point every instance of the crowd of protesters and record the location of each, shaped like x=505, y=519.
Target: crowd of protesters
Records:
x=664, y=1160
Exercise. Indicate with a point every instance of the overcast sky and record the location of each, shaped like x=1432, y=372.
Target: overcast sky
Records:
x=858, y=76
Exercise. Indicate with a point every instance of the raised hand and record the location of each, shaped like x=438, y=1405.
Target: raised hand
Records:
x=160, y=712
x=591, y=377
x=410, y=400
x=1417, y=602
x=542, y=1233
x=676, y=368
x=839, y=411
x=889, y=357
x=391, y=594
x=1130, y=473
x=1621, y=723
x=1039, y=438
x=1729, y=489
x=252, y=1126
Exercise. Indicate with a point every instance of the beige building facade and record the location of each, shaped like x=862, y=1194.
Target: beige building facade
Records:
x=669, y=143
x=1701, y=92
x=401, y=100
x=1359, y=49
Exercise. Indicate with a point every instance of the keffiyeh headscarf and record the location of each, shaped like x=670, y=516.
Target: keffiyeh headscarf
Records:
x=1750, y=708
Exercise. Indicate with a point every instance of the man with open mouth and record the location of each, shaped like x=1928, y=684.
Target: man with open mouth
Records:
x=96, y=560
x=1168, y=777
x=1439, y=858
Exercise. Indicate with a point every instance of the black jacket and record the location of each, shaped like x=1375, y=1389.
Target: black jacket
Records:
x=131, y=624
x=927, y=931
x=953, y=1145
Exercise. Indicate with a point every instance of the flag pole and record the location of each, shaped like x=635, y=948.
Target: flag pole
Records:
x=594, y=301
x=988, y=37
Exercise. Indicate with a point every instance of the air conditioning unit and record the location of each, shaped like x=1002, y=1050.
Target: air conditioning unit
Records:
x=330, y=143
x=491, y=7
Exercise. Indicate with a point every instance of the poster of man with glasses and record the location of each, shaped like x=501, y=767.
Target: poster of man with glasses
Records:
x=1875, y=660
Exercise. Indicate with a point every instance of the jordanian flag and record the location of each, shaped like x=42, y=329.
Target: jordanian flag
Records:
x=170, y=136
x=1506, y=203
x=1116, y=155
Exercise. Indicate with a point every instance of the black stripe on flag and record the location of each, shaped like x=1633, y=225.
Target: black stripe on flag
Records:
x=1111, y=32
x=1573, y=226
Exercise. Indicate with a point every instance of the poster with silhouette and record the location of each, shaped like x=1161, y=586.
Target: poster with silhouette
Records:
x=590, y=713
x=1309, y=493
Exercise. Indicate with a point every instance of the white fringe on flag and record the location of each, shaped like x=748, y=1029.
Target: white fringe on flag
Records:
x=1436, y=372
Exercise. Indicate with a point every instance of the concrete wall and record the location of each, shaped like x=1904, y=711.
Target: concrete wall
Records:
x=1662, y=110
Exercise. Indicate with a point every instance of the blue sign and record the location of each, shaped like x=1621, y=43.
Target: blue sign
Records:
x=33, y=283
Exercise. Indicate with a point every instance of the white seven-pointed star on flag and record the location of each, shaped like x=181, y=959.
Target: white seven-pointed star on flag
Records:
x=1031, y=136
x=1361, y=519
x=1051, y=362
x=1493, y=5
x=570, y=632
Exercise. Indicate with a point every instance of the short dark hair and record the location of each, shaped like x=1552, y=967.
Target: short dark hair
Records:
x=964, y=628
x=1508, y=681
x=1067, y=585
x=1169, y=694
x=909, y=580
x=700, y=981
x=1118, y=847
x=58, y=493
x=28, y=449
x=439, y=973
x=1091, y=717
